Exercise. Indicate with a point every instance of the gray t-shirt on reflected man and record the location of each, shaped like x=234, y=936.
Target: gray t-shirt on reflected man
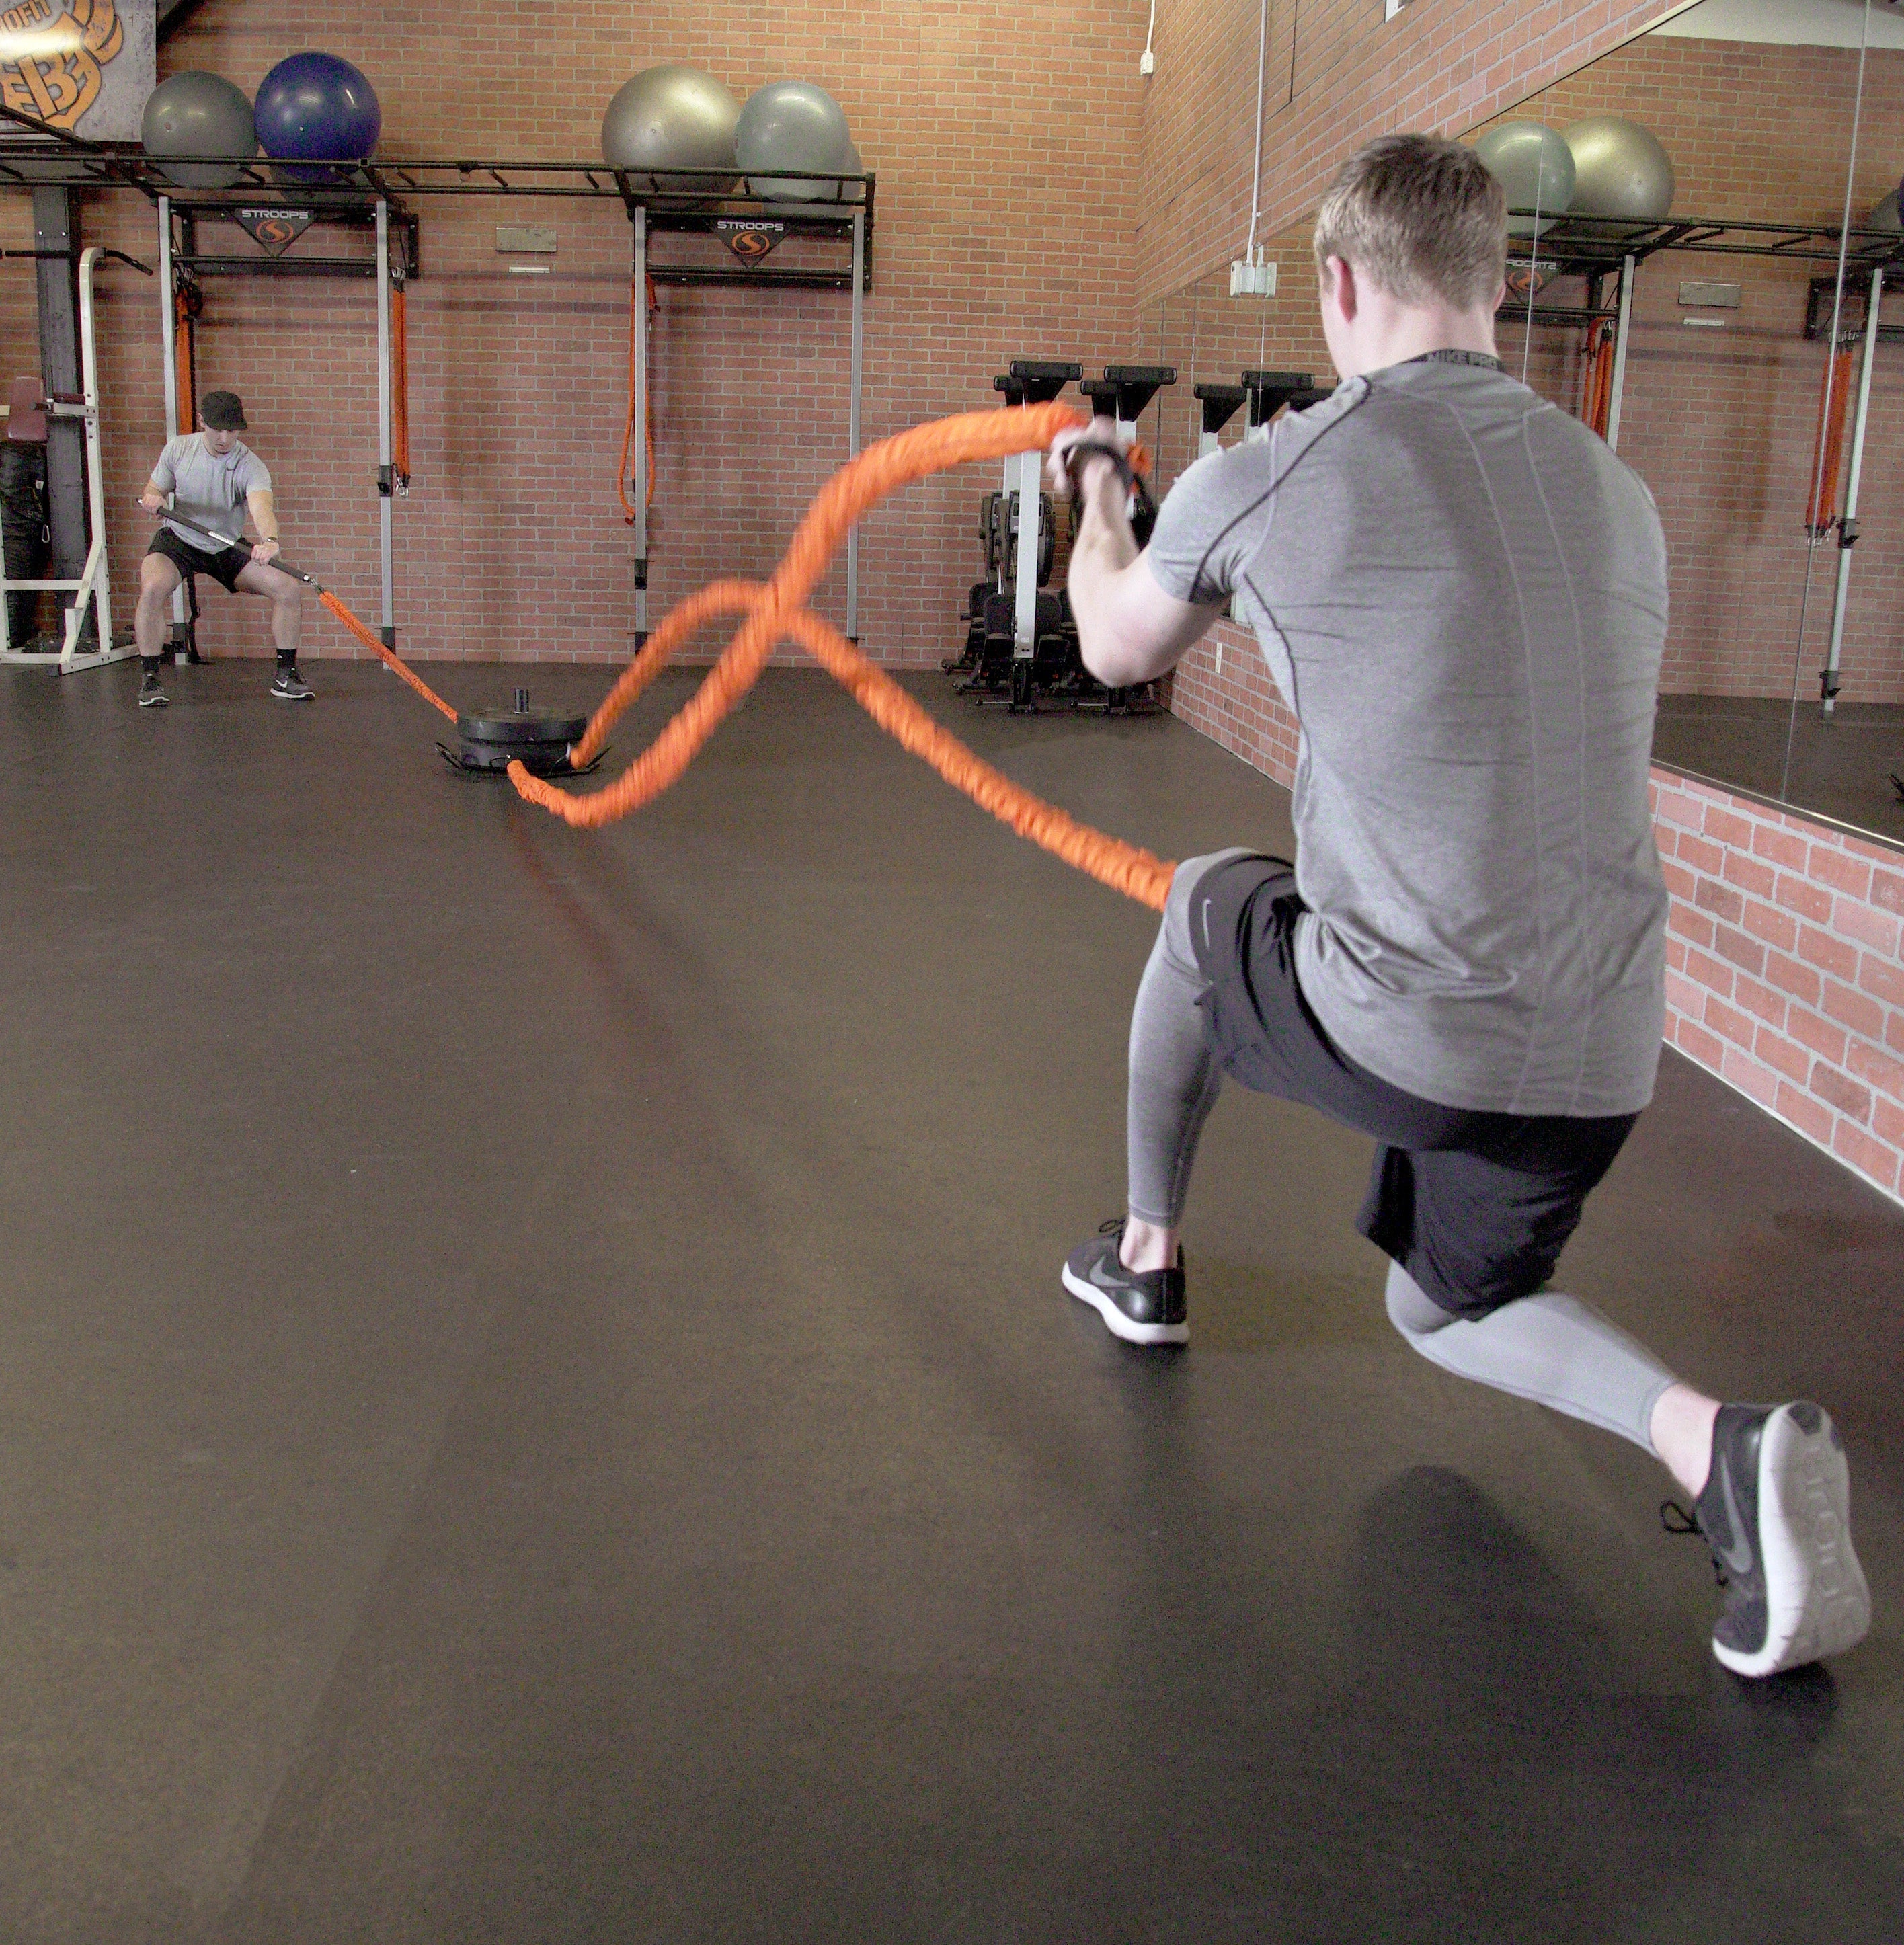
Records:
x=1461, y=593
x=207, y=490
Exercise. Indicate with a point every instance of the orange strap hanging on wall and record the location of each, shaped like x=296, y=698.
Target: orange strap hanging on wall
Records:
x=1597, y=390
x=777, y=612
x=1833, y=397
x=184, y=366
x=400, y=383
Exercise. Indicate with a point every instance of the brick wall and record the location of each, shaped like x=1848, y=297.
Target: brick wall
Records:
x=1785, y=976
x=983, y=120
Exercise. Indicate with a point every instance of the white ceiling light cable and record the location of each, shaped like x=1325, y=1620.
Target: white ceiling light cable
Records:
x=1147, y=61
x=1252, y=277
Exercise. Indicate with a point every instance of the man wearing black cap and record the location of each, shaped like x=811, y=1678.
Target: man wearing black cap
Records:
x=213, y=478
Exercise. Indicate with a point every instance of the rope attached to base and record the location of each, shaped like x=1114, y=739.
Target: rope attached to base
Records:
x=777, y=612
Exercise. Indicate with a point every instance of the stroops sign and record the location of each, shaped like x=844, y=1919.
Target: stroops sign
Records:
x=85, y=65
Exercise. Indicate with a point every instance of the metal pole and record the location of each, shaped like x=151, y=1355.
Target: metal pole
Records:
x=639, y=380
x=853, y=432
x=168, y=334
x=386, y=480
x=1031, y=508
x=1625, y=326
x=1848, y=527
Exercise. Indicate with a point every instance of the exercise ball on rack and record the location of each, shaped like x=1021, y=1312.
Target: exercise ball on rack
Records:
x=316, y=107
x=793, y=124
x=855, y=166
x=198, y=114
x=673, y=117
x=1619, y=170
x=1884, y=217
x=1535, y=167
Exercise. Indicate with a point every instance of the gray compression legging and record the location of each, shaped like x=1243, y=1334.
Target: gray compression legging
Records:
x=1551, y=1348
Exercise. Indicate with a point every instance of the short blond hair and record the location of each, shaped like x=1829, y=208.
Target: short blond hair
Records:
x=1421, y=216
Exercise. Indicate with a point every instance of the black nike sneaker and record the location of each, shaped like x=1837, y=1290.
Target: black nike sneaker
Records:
x=1140, y=1306
x=1776, y=1512
x=288, y=687
x=152, y=691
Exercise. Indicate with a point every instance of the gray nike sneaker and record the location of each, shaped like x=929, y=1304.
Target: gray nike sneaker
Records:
x=1140, y=1306
x=289, y=686
x=1776, y=1512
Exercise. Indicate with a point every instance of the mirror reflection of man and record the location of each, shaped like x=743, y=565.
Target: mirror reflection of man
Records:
x=213, y=480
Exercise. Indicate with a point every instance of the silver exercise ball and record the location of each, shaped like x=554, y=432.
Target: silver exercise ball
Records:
x=198, y=114
x=673, y=117
x=1619, y=169
x=1535, y=166
x=1885, y=216
x=792, y=125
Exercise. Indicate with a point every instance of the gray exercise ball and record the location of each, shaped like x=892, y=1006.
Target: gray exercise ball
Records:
x=1619, y=169
x=1885, y=216
x=198, y=114
x=673, y=117
x=793, y=124
x=1535, y=167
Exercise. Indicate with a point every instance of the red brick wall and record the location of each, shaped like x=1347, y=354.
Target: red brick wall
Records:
x=1785, y=976
x=983, y=121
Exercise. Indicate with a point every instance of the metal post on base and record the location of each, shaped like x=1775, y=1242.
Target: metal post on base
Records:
x=386, y=446
x=640, y=402
x=853, y=428
x=1847, y=526
x=1617, y=389
x=168, y=337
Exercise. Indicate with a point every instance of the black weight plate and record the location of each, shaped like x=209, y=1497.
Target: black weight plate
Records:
x=511, y=726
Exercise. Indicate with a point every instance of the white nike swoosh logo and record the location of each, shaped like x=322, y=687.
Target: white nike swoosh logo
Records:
x=1738, y=1558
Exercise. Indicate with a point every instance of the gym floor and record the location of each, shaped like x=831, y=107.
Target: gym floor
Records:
x=538, y=1404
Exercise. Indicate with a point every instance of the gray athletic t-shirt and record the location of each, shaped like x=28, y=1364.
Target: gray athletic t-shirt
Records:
x=207, y=490
x=1461, y=593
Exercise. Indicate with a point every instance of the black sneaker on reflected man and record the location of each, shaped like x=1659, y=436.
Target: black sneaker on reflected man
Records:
x=288, y=687
x=1140, y=1306
x=152, y=693
x=1776, y=1511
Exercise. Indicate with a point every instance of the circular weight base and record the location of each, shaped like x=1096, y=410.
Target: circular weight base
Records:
x=540, y=759
x=527, y=726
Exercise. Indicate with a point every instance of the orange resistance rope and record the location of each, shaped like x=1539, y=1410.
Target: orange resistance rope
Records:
x=778, y=610
x=400, y=384
x=1829, y=444
x=185, y=377
x=628, y=430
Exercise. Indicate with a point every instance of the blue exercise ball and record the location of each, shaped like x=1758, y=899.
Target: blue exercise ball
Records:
x=198, y=114
x=793, y=124
x=313, y=106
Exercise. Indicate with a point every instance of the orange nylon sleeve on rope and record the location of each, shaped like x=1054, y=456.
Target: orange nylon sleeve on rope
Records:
x=185, y=374
x=1834, y=396
x=388, y=657
x=778, y=610
x=400, y=384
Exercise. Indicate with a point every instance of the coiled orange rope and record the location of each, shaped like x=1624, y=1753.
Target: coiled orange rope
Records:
x=777, y=612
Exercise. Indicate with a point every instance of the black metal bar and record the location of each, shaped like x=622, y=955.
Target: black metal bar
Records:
x=278, y=266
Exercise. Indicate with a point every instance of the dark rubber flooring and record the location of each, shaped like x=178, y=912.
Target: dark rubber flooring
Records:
x=536, y=1405
x=1840, y=765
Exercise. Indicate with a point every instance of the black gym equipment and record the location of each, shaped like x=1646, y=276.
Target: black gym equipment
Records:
x=1220, y=404
x=491, y=739
x=1268, y=392
x=1022, y=649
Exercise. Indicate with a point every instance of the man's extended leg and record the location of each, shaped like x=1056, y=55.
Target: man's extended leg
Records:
x=1770, y=1485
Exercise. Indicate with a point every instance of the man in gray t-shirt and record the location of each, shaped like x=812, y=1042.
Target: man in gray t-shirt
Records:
x=1461, y=593
x=208, y=482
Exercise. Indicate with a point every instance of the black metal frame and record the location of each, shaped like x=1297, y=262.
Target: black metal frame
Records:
x=677, y=200
x=1595, y=247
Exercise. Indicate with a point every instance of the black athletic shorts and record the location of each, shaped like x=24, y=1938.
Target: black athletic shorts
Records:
x=223, y=566
x=1475, y=1207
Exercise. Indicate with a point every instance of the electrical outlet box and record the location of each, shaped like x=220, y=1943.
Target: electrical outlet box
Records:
x=1256, y=279
x=1146, y=62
